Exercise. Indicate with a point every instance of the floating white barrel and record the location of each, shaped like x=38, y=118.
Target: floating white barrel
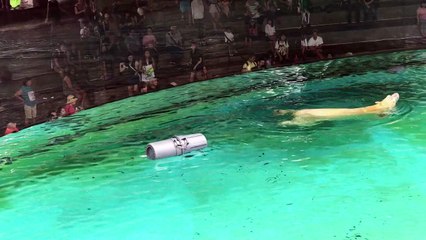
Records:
x=176, y=146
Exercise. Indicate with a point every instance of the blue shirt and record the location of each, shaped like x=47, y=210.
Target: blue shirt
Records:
x=28, y=96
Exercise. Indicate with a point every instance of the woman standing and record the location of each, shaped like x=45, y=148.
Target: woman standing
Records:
x=147, y=67
x=129, y=70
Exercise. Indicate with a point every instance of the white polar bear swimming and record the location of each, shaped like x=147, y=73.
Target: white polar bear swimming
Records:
x=310, y=116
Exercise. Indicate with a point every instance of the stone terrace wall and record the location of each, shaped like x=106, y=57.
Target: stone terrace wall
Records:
x=25, y=49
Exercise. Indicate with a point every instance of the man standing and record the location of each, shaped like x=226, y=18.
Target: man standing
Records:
x=196, y=63
x=197, y=7
x=27, y=96
x=174, y=43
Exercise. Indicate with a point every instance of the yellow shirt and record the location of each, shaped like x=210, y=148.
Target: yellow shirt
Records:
x=249, y=65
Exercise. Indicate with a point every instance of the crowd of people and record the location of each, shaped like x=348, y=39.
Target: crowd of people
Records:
x=119, y=40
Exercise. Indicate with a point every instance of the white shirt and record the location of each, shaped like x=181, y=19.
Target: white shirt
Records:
x=315, y=42
x=197, y=8
x=304, y=42
x=229, y=37
x=269, y=30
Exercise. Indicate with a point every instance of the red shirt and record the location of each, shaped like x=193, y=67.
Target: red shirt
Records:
x=11, y=130
x=70, y=109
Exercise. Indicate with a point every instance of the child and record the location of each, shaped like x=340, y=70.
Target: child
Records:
x=281, y=48
x=61, y=112
x=11, y=128
x=52, y=116
x=70, y=107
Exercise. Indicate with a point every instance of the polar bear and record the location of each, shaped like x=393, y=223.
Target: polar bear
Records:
x=310, y=116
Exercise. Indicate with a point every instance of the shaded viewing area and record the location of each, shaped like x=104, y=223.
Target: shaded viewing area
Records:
x=80, y=54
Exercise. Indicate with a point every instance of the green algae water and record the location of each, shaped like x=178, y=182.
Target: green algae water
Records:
x=87, y=176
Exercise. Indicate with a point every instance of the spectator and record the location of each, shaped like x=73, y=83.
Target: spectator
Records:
x=84, y=31
x=53, y=115
x=252, y=33
x=315, y=45
x=53, y=15
x=174, y=43
x=140, y=17
x=93, y=13
x=185, y=10
x=271, y=8
x=370, y=10
x=352, y=6
x=304, y=9
x=71, y=88
x=27, y=95
x=196, y=63
x=88, y=42
x=5, y=4
x=229, y=40
x=253, y=12
x=302, y=48
x=214, y=10
x=149, y=42
x=70, y=107
x=224, y=6
x=250, y=64
x=147, y=67
x=61, y=112
x=289, y=4
x=109, y=25
x=282, y=48
x=81, y=11
x=60, y=58
x=270, y=32
x=197, y=7
x=133, y=43
x=11, y=128
x=116, y=9
x=109, y=49
x=269, y=61
x=421, y=18
x=127, y=23
x=132, y=75
x=149, y=38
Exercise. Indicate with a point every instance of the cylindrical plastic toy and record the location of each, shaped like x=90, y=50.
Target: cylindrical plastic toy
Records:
x=176, y=146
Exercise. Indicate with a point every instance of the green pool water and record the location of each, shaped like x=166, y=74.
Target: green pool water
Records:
x=87, y=176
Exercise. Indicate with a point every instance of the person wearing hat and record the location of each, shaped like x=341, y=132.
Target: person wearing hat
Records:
x=70, y=107
x=11, y=128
